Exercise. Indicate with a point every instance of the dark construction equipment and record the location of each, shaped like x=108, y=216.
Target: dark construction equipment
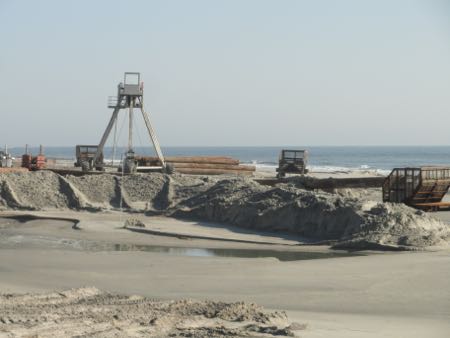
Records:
x=292, y=162
x=422, y=188
x=31, y=162
x=129, y=95
x=85, y=157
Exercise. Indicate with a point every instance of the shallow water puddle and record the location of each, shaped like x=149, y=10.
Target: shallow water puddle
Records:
x=40, y=242
x=237, y=253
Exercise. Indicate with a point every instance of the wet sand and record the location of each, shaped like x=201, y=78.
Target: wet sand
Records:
x=381, y=294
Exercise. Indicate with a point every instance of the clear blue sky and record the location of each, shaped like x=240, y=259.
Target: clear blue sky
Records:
x=229, y=72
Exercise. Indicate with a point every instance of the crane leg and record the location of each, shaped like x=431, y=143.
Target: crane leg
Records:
x=130, y=126
x=106, y=134
x=152, y=134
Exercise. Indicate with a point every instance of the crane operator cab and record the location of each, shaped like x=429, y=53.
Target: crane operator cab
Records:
x=132, y=85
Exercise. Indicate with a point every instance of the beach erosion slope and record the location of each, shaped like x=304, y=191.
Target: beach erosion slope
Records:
x=345, y=222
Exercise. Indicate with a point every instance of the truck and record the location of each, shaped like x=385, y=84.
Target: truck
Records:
x=292, y=162
x=85, y=155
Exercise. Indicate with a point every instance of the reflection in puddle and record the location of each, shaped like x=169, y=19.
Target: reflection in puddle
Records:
x=8, y=240
x=39, y=242
x=238, y=253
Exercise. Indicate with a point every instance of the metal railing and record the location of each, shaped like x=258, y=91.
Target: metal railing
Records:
x=112, y=101
x=409, y=185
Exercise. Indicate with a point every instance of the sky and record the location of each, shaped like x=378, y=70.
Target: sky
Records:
x=230, y=72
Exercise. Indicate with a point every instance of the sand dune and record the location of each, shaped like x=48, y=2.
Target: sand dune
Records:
x=345, y=221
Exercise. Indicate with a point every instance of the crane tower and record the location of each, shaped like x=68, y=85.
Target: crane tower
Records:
x=130, y=96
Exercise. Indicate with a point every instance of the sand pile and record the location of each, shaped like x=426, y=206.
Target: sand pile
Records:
x=37, y=190
x=343, y=219
x=395, y=226
x=94, y=192
x=350, y=222
x=90, y=312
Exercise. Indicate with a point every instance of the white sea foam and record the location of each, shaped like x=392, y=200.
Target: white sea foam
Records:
x=271, y=166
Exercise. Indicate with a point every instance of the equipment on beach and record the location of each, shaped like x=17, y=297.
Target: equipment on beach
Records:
x=198, y=165
x=292, y=162
x=422, y=188
x=129, y=96
x=85, y=155
x=31, y=162
x=5, y=158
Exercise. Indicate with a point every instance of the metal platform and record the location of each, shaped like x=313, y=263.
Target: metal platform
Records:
x=433, y=206
x=417, y=187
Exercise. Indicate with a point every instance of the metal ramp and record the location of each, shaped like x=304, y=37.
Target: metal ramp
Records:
x=422, y=188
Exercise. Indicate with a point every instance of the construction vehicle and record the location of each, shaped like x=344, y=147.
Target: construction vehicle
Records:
x=292, y=162
x=31, y=162
x=421, y=187
x=6, y=160
x=85, y=155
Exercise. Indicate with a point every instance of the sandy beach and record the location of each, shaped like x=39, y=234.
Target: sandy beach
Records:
x=103, y=240
x=224, y=169
x=377, y=294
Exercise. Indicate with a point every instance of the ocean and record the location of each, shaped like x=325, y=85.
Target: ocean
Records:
x=321, y=158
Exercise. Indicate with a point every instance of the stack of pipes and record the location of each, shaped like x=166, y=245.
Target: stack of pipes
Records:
x=201, y=165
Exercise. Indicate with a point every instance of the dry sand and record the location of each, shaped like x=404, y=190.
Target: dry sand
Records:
x=87, y=312
x=383, y=294
x=340, y=218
